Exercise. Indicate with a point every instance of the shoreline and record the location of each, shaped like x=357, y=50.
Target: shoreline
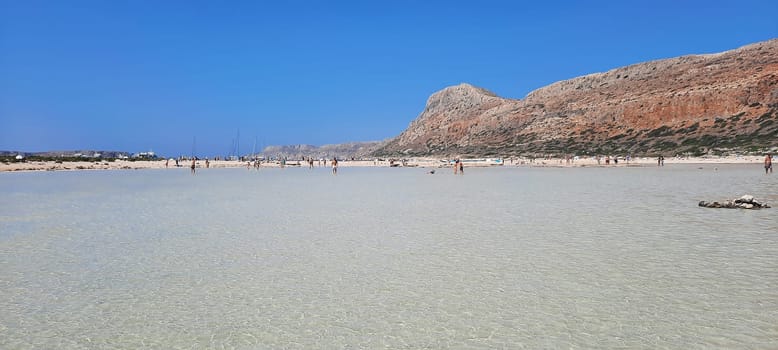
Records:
x=34, y=166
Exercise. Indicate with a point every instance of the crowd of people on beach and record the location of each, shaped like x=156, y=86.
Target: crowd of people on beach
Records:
x=457, y=164
x=764, y=160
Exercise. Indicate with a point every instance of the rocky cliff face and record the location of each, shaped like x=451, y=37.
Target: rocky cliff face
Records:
x=691, y=104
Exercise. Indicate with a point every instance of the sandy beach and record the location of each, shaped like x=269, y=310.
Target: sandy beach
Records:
x=410, y=162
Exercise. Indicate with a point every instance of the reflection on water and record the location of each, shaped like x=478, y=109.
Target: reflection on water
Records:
x=394, y=258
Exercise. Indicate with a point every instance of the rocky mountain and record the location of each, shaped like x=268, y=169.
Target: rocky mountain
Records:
x=343, y=151
x=690, y=104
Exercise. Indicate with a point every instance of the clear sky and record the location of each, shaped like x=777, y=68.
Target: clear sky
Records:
x=155, y=75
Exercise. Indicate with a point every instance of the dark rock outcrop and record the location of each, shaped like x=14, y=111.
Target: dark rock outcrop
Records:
x=744, y=202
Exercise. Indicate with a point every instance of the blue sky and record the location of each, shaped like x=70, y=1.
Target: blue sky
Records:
x=154, y=75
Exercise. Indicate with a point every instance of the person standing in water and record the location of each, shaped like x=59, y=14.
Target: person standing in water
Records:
x=334, y=165
x=768, y=164
x=456, y=166
x=193, y=166
x=461, y=168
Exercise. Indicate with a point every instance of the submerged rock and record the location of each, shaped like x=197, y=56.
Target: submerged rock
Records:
x=744, y=202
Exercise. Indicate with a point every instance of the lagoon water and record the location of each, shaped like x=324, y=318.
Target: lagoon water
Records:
x=388, y=258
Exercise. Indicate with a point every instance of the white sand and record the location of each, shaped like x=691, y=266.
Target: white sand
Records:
x=413, y=162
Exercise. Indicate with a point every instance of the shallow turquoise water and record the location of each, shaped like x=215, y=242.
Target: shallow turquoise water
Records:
x=388, y=258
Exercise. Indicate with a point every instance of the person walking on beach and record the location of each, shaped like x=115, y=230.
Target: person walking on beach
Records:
x=456, y=166
x=193, y=166
x=334, y=166
x=768, y=164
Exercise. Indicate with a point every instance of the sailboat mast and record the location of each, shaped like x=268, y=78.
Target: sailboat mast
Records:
x=254, y=149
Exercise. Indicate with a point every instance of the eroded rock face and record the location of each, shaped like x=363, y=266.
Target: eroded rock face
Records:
x=454, y=117
x=685, y=104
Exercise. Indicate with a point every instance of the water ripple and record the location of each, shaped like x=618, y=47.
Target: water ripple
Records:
x=388, y=258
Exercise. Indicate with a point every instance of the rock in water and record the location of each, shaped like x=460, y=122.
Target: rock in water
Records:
x=745, y=199
x=744, y=202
